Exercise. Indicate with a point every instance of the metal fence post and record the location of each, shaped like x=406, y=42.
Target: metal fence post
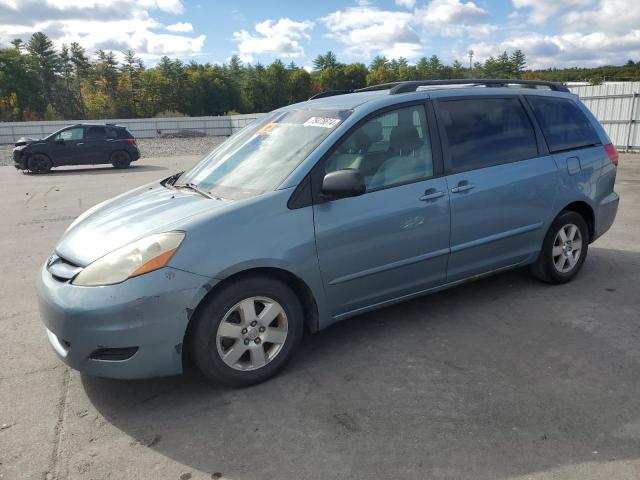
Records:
x=632, y=121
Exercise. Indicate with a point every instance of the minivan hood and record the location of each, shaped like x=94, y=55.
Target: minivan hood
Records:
x=117, y=222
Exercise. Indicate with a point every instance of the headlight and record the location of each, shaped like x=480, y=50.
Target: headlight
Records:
x=142, y=256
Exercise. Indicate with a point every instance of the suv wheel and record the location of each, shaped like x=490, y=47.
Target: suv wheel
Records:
x=247, y=332
x=39, y=163
x=120, y=159
x=564, y=249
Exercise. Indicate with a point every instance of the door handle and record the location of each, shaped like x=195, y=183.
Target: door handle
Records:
x=462, y=187
x=79, y=144
x=431, y=194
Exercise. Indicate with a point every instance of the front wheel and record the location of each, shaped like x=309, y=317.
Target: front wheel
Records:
x=40, y=163
x=564, y=249
x=247, y=332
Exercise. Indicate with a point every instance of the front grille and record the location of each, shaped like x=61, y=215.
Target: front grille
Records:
x=61, y=269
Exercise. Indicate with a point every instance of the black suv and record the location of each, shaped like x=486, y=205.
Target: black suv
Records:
x=81, y=144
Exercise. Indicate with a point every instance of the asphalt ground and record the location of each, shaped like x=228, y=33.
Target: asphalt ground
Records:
x=503, y=378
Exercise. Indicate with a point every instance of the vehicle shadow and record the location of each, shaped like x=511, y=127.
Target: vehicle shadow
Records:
x=92, y=170
x=501, y=377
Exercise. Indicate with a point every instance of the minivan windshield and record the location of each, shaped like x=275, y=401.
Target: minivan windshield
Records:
x=259, y=157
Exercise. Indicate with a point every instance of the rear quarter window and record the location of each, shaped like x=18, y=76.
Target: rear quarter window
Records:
x=563, y=124
x=118, y=133
x=482, y=132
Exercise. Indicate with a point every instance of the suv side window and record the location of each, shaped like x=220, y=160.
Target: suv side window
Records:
x=388, y=149
x=96, y=133
x=487, y=131
x=76, y=133
x=563, y=124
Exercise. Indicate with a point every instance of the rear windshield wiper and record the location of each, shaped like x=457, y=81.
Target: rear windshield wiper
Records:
x=194, y=187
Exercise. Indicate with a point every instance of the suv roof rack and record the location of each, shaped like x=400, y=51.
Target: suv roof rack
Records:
x=412, y=85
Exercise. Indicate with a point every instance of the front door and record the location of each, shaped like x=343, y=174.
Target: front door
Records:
x=392, y=241
x=68, y=146
x=502, y=184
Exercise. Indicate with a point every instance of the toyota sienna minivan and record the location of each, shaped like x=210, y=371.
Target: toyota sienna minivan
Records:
x=323, y=210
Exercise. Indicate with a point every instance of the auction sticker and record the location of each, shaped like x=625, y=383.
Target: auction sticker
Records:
x=323, y=122
x=266, y=129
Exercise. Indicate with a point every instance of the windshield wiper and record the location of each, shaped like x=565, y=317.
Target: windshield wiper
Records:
x=194, y=187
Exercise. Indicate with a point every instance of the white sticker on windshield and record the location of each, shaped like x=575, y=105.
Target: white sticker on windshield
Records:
x=322, y=122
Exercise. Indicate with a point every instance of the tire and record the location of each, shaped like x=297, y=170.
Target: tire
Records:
x=228, y=337
x=561, y=258
x=120, y=159
x=39, y=163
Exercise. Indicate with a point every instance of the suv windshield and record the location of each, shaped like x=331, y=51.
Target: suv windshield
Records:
x=259, y=157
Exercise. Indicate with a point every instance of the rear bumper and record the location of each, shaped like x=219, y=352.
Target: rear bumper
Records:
x=606, y=214
x=135, y=154
x=131, y=330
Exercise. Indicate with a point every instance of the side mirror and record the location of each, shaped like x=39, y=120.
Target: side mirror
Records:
x=60, y=141
x=343, y=183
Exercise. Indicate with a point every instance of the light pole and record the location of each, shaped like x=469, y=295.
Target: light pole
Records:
x=470, y=53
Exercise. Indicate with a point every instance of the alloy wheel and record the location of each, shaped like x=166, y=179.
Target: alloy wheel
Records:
x=567, y=248
x=252, y=333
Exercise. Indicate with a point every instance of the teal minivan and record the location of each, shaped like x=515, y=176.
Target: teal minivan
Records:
x=323, y=210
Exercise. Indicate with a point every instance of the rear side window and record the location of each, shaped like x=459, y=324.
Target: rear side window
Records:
x=123, y=133
x=563, y=124
x=95, y=133
x=487, y=131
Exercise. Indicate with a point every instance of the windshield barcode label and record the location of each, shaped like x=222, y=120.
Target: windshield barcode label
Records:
x=322, y=122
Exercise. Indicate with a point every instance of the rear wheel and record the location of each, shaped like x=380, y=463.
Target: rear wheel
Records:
x=39, y=163
x=564, y=249
x=120, y=159
x=247, y=332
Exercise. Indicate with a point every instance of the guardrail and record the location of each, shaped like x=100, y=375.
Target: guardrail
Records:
x=139, y=127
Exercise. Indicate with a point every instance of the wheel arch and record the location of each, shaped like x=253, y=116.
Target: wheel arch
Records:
x=585, y=210
x=299, y=287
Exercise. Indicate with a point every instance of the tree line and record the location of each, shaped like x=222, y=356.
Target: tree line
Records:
x=39, y=82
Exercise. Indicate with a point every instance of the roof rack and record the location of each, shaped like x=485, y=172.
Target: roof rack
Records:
x=412, y=85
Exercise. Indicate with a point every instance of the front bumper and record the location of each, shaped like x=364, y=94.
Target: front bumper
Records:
x=19, y=160
x=145, y=317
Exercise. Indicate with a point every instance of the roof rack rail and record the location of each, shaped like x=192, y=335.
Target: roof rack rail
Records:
x=372, y=88
x=330, y=93
x=412, y=86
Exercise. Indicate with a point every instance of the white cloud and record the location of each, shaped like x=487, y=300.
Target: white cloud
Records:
x=453, y=18
x=117, y=25
x=366, y=30
x=567, y=50
x=587, y=33
x=279, y=38
x=180, y=27
x=542, y=11
x=406, y=3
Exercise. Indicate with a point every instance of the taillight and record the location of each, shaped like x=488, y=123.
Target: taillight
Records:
x=613, y=153
x=132, y=141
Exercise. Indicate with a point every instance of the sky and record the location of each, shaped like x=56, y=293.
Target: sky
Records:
x=552, y=33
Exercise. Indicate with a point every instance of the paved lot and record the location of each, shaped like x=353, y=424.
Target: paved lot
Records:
x=504, y=378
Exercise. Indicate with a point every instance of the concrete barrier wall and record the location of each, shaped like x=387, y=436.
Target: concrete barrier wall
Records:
x=140, y=127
